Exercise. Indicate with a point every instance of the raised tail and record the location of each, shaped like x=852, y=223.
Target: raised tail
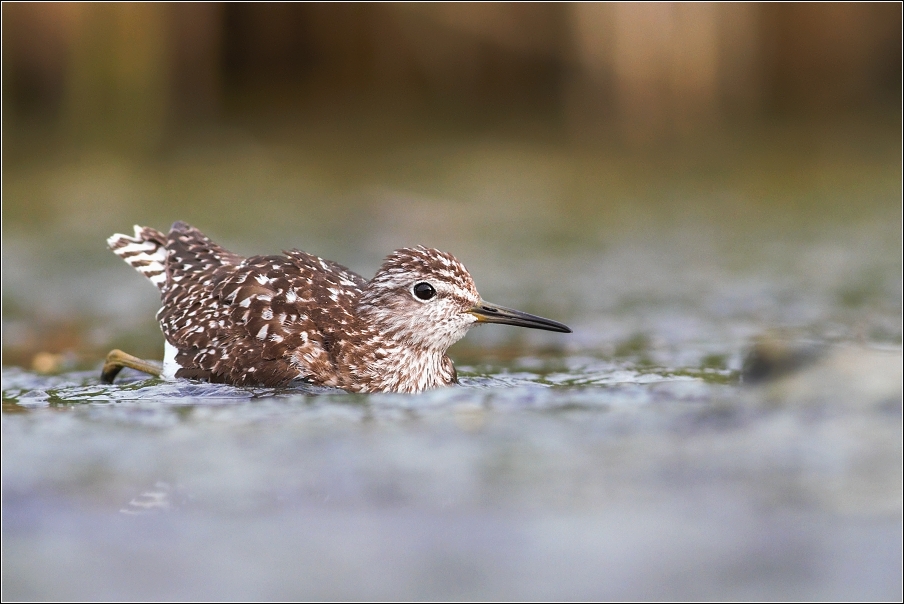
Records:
x=145, y=252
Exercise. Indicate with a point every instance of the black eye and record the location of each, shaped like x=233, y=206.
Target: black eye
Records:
x=424, y=291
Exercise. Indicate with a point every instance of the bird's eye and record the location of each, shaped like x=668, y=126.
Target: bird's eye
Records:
x=424, y=291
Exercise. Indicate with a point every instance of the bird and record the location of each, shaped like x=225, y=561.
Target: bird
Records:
x=277, y=320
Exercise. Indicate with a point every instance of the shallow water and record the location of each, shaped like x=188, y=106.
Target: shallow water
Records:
x=623, y=461
x=632, y=485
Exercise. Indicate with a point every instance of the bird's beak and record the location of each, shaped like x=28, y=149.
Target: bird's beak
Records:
x=490, y=313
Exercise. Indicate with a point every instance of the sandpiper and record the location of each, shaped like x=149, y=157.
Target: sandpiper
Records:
x=272, y=320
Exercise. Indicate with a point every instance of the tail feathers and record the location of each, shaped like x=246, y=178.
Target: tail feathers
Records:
x=145, y=252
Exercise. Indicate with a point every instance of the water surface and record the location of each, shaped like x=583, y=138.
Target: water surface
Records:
x=623, y=461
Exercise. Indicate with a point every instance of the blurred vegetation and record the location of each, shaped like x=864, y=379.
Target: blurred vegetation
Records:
x=139, y=74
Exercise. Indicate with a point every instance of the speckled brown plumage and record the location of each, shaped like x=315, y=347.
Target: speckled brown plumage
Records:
x=269, y=320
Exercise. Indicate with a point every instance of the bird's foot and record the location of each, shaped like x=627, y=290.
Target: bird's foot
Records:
x=118, y=359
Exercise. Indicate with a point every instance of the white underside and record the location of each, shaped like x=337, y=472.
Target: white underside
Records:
x=169, y=362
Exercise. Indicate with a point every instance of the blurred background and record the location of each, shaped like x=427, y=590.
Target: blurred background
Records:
x=672, y=181
x=540, y=143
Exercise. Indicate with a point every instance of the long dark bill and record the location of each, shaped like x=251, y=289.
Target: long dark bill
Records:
x=491, y=313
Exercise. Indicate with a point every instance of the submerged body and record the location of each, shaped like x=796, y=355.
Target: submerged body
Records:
x=269, y=320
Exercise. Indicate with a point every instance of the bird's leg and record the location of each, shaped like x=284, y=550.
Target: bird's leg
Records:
x=118, y=359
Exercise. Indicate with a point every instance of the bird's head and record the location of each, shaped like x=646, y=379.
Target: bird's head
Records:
x=427, y=298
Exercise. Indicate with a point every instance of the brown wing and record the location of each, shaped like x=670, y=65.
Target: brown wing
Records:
x=265, y=320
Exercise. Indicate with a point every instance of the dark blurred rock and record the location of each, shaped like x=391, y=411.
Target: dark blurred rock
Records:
x=771, y=358
x=834, y=376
